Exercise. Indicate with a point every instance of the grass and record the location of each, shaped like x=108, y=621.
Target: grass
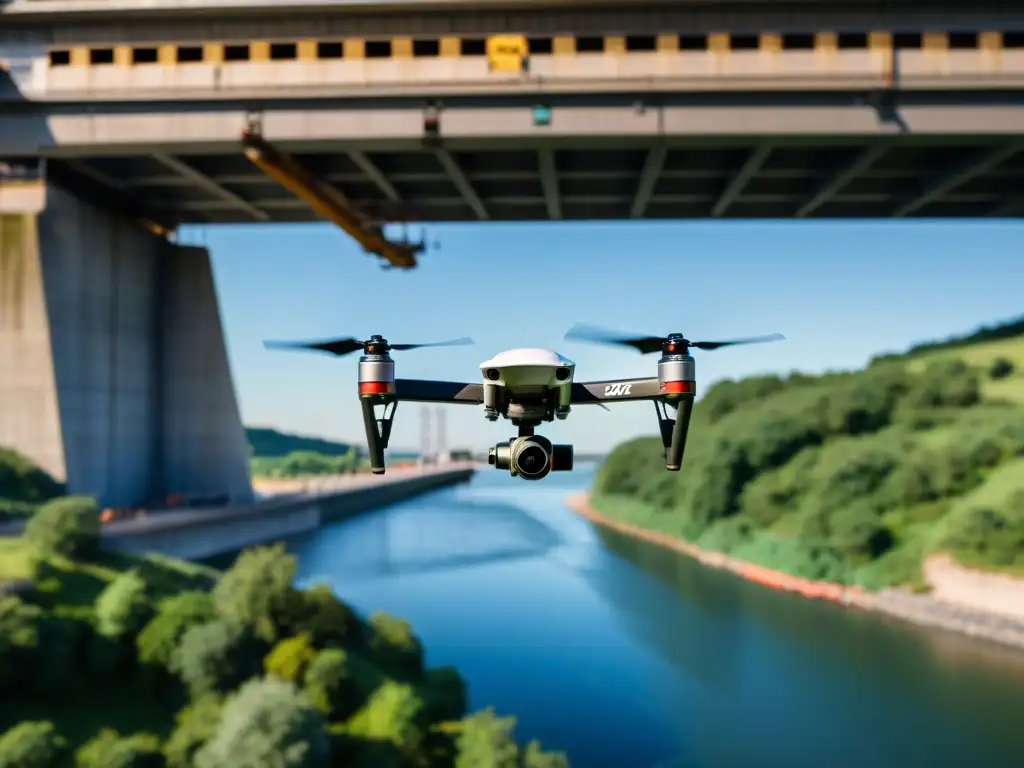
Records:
x=1009, y=389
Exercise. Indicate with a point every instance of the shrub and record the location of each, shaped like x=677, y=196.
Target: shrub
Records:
x=993, y=536
x=487, y=740
x=338, y=682
x=290, y=658
x=444, y=695
x=267, y=723
x=68, y=526
x=215, y=657
x=110, y=750
x=947, y=383
x=33, y=745
x=123, y=607
x=19, y=637
x=21, y=480
x=194, y=726
x=257, y=591
x=394, y=646
x=1000, y=368
x=175, y=616
x=393, y=715
x=328, y=621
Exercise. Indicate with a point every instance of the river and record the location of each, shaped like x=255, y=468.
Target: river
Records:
x=626, y=656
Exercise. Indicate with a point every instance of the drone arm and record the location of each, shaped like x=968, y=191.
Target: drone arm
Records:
x=600, y=392
x=427, y=391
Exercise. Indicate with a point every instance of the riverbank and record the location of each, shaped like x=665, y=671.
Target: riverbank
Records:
x=926, y=610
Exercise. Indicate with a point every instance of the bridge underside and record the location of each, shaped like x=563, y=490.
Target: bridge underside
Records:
x=956, y=177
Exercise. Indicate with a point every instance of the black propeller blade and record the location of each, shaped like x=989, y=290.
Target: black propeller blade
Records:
x=649, y=344
x=340, y=347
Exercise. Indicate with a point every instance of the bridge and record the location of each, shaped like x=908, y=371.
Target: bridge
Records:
x=121, y=120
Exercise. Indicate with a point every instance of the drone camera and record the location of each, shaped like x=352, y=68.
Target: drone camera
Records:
x=493, y=374
x=561, y=374
x=531, y=458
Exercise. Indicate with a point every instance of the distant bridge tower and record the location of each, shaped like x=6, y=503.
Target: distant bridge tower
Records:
x=441, y=447
x=425, y=456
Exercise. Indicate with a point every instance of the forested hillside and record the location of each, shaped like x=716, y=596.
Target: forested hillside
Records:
x=110, y=660
x=847, y=477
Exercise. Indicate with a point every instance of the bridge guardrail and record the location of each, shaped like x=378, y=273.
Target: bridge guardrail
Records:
x=677, y=71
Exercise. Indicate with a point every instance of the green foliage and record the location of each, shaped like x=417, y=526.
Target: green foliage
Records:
x=991, y=536
x=19, y=635
x=194, y=726
x=339, y=682
x=123, y=607
x=273, y=444
x=257, y=590
x=487, y=740
x=33, y=744
x=328, y=621
x=175, y=616
x=111, y=750
x=847, y=477
x=215, y=657
x=394, y=646
x=391, y=715
x=1000, y=368
x=68, y=526
x=267, y=723
x=306, y=464
x=21, y=480
x=290, y=658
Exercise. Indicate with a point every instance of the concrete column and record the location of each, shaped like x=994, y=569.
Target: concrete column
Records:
x=204, y=446
x=96, y=383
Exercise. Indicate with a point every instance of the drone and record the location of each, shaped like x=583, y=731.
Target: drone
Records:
x=528, y=387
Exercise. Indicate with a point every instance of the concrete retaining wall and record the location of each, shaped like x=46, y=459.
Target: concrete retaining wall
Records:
x=197, y=534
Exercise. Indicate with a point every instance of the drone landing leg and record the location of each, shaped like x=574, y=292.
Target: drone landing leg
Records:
x=377, y=431
x=674, y=430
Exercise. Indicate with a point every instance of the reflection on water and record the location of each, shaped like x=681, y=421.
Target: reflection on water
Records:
x=629, y=656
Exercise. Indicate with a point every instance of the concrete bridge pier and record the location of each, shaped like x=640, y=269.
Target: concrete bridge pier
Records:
x=113, y=372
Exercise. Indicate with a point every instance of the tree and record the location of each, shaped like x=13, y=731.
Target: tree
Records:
x=394, y=646
x=267, y=723
x=1000, y=368
x=33, y=744
x=19, y=637
x=69, y=526
x=123, y=607
x=338, y=682
x=316, y=611
x=194, y=726
x=21, y=480
x=393, y=714
x=487, y=740
x=111, y=750
x=290, y=658
x=215, y=657
x=257, y=590
x=175, y=616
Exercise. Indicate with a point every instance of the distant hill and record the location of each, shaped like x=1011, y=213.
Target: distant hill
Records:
x=852, y=477
x=1009, y=329
x=272, y=444
x=267, y=443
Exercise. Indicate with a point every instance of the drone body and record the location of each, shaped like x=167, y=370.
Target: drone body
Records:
x=529, y=387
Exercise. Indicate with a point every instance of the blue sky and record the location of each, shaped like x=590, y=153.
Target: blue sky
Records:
x=839, y=292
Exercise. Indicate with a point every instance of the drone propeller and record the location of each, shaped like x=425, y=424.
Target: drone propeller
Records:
x=340, y=347
x=649, y=344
